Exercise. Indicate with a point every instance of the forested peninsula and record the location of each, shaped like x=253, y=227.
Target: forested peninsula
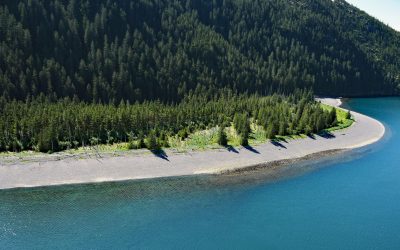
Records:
x=150, y=72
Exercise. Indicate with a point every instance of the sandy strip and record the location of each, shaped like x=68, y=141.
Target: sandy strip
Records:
x=364, y=131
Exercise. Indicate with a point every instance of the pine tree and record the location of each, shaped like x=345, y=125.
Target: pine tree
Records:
x=332, y=120
x=244, y=139
x=271, y=131
x=348, y=115
x=282, y=128
x=151, y=141
x=221, y=137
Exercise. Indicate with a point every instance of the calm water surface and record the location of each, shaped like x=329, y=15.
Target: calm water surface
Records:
x=351, y=201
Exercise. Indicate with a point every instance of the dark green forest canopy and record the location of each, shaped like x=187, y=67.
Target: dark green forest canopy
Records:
x=112, y=50
x=52, y=126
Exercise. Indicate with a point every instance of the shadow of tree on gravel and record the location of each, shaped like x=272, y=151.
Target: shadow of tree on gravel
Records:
x=327, y=135
x=160, y=153
x=250, y=148
x=278, y=144
x=231, y=149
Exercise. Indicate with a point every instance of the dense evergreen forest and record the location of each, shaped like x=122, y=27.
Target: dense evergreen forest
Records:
x=106, y=51
x=87, y=72
x=44, y=126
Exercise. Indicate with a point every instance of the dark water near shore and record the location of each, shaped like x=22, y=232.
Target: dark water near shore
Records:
x=347, y=201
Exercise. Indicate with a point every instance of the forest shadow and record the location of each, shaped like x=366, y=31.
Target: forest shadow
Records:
x=327, y=135
x=281, y=140
x=278, y=144
x=231, y=149
x=160, y=153
x=311, y=136
x=251, y=149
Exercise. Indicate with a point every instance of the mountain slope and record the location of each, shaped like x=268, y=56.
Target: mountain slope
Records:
x=113, y=50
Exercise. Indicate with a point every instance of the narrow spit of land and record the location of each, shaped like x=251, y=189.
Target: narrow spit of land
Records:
x=364, y=131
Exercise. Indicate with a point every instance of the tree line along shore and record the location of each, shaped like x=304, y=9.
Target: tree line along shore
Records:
x=158, y=74
x=228, y=117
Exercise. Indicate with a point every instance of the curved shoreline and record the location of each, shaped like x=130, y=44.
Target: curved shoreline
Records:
x=364, y=131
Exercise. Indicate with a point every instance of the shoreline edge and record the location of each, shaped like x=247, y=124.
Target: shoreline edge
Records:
x=364, y=131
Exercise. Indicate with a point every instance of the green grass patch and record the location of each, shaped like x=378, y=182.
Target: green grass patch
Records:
x=341, y=115
x=199, y=140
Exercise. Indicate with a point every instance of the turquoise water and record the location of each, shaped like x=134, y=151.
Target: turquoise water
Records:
x=351, y=201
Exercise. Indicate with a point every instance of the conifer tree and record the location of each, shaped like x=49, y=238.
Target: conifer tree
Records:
x=151, y=141
x=332, y=120
x=221, y=137
x=271, y=131
x=348, y=115
x=244, y=139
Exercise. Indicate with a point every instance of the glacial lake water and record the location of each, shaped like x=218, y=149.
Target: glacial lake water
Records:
x=347, y=201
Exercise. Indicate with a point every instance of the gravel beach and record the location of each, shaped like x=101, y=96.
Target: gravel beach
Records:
x=364, y=131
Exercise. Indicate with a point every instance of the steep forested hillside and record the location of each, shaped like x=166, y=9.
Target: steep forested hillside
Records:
x=112, y=50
